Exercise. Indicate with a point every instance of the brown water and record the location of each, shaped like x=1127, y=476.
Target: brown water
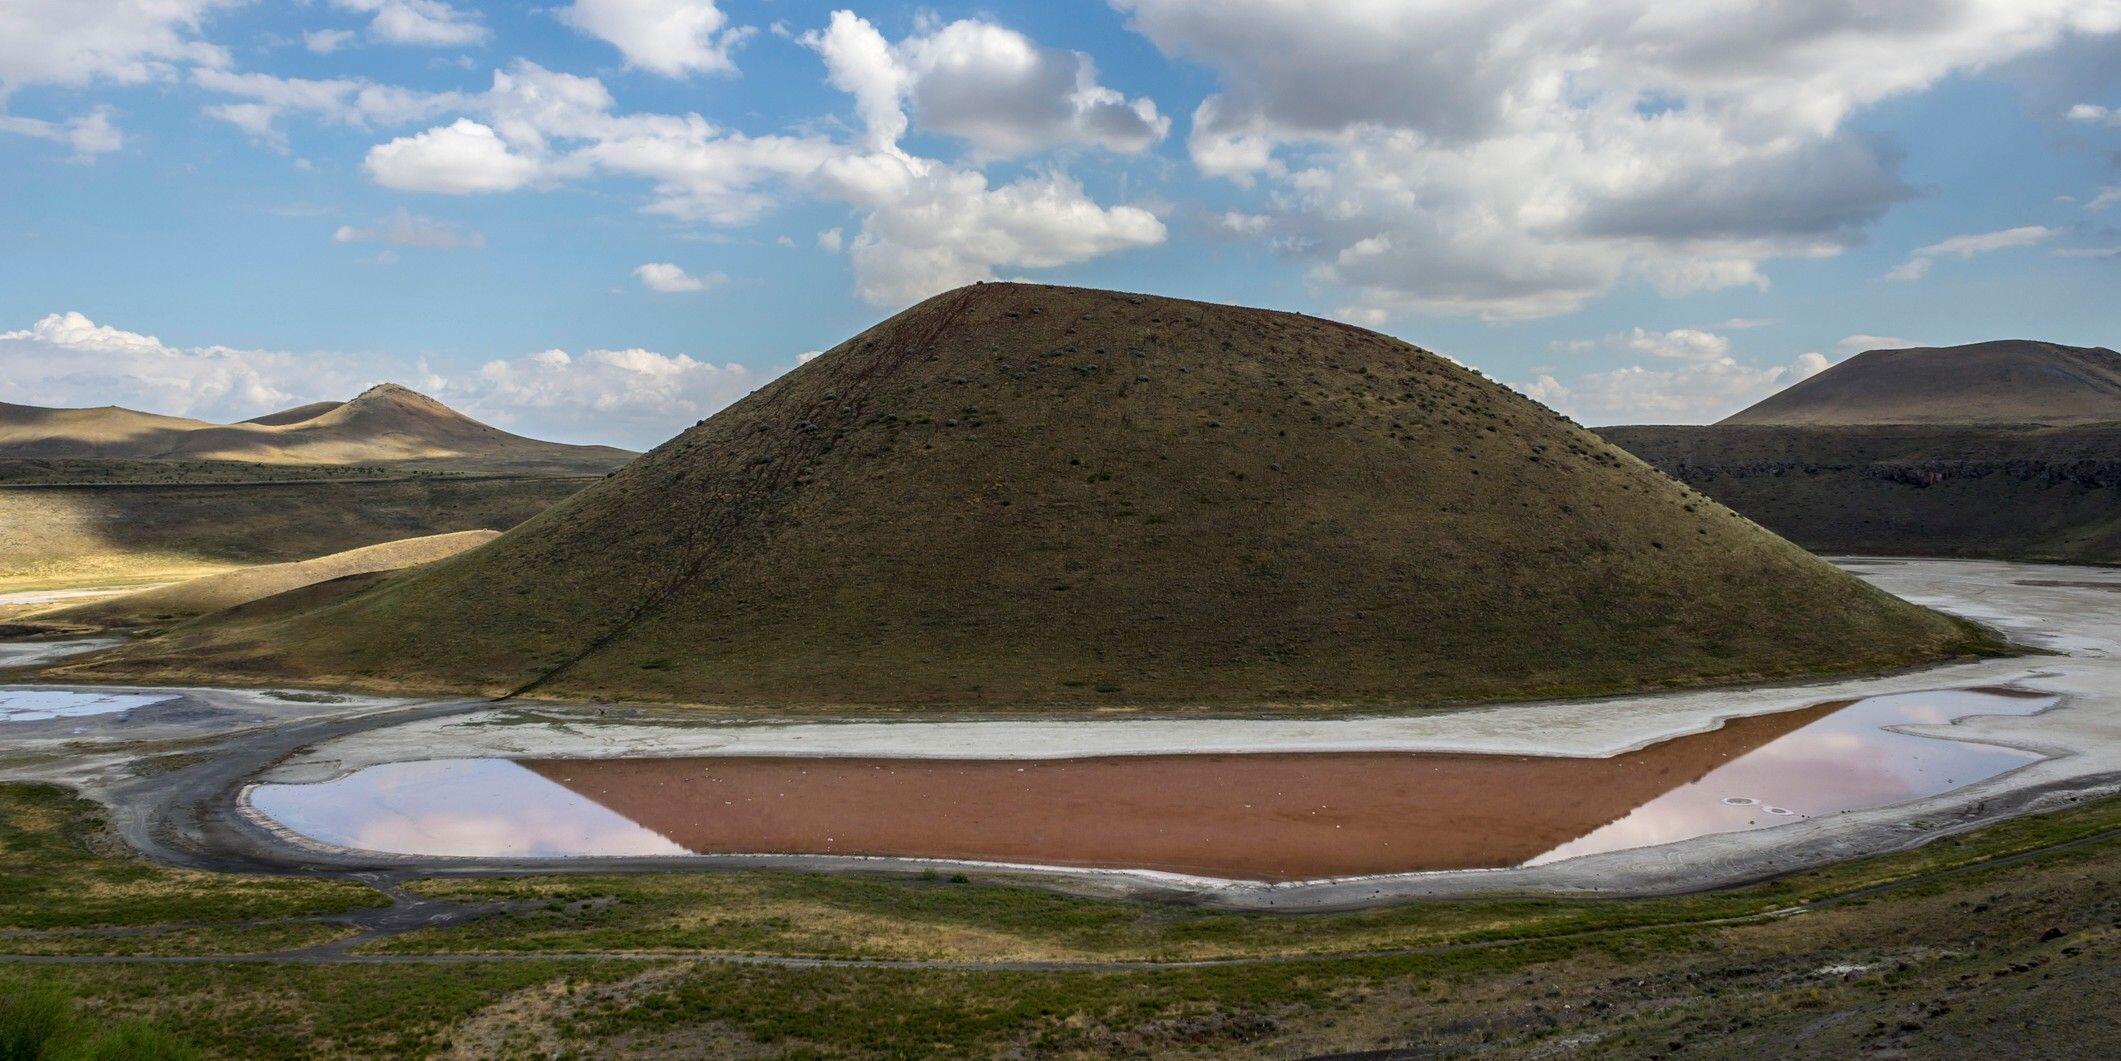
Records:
x=1251, y=816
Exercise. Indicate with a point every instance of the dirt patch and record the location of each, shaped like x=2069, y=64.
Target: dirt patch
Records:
x=531, y=1022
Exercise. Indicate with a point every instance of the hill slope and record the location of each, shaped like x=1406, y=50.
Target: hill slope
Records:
x=2010, y=381
x=58, y=536
x=212, y=593
x=2017, y=492
x=1018, y=495
x=384, y=424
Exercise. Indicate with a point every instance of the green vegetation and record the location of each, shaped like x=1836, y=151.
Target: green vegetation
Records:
x=38, y=1022
x=2004, y=492
x=1997, y=940
x=897, y=919
x=63, y=877
x=108, y=471
x=1016, y=497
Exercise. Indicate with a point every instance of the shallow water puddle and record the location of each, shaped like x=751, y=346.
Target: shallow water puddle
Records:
x=40, y=705
x=26, y=653
x=1268, y=816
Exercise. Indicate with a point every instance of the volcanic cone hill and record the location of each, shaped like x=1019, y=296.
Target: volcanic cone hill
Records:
x=2008, y=449
x=386, y=423
x=2008, y=381
x=1015, y=495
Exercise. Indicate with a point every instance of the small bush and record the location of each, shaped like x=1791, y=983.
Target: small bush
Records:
x=38, y=1023
x=32, y=1016
x=127, y=1041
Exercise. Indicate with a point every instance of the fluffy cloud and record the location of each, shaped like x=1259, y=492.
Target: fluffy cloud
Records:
x=1520, y=159
x=1918, y=263
x=1004, y=94
x=928, y=225
x=66, y=359
x=1708, y=383
x=354, y=102
x=630, y=397
x=461, y=158
x=89, y=135
x=69, y=42
x=1682, y=344
x=2094, y=114
x=422, y=23
x=944, y=227
x=1856, y=344
x=673, y=38
x=326, y=41
x=402, y=228
x=987, y=85
x=925, y=224
x=671, y=280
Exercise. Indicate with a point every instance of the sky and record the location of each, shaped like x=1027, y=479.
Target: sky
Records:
x=603, y=220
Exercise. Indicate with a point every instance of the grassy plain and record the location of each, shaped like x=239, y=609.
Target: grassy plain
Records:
x=1998, y=940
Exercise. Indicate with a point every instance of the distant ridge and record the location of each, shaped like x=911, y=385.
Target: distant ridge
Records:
x=1019, y=496
x=295, y=415
x=228, y=589
x=2007, y=381
x=386, y=423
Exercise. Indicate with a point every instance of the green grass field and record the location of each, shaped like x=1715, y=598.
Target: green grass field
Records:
x=1998, y=940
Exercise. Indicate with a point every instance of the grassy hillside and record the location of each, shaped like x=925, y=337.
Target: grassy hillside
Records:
x=101, y=471
x=1016, y=495
x=2009, y=381
x=2024, y=493
x=213, y=593
x=60, y=536
x=384, y=424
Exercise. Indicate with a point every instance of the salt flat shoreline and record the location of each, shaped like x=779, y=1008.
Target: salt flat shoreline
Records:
x=293, y=742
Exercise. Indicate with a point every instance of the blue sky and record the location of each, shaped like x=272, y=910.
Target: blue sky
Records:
x=602, y=220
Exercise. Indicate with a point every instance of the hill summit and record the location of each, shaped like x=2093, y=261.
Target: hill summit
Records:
x=386, y=423
x=2008, y=381
x=1015, y=495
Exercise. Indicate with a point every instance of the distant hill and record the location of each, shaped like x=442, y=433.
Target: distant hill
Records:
x=384, y=424
x=1019, y=497
x=2007, y=449
x=2008, y=381
x=2014, y=492
x=58, y=536
x=212, y=593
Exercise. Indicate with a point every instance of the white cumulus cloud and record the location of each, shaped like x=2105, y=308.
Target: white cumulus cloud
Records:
x=458, y=159
x=629, y=397
x=673, y=38
x=1521, y=159
x=1707, y=382
x=422, y=23
x=1918, y=263
x=670, y=280
x=68, y=360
